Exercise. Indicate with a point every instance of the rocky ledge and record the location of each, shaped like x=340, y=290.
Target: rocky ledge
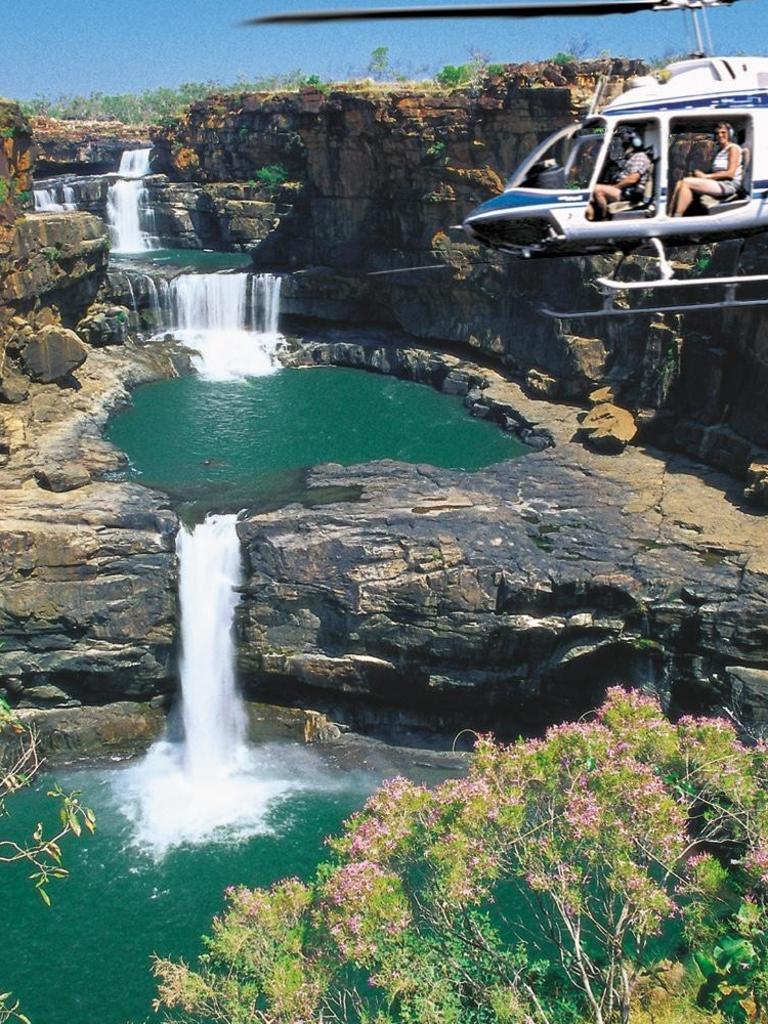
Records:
x=513, y=596
x=88, y=574
x=82, y=147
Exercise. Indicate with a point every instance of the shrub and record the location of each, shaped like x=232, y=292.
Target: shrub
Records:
x=454, y=76
x=542, y=887
x=273, y=175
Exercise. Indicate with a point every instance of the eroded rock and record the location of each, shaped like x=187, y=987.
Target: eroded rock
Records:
x=53, y=355
x=63, y=478
x=608, y=428
x=756, y=491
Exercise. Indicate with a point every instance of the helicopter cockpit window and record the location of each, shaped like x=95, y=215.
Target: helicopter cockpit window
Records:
x=565, y=161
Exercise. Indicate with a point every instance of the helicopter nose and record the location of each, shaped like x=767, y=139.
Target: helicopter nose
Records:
x=518, y=236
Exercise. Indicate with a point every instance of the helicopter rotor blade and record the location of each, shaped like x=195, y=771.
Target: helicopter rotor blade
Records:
x=542, y=9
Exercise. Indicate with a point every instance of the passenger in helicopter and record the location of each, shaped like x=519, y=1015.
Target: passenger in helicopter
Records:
x=631, y=176
x=723, y=180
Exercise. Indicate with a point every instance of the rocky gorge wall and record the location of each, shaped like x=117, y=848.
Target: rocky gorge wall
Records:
x=87, y=566
x=375, y=181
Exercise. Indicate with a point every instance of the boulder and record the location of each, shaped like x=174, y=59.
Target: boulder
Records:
x=53, y=354
x=14, y=387
x=600, y=395
x=756, y=491
x=749, y=693
x=542, y=385
x=63, y=478
x=608, y=428
x=104, y=325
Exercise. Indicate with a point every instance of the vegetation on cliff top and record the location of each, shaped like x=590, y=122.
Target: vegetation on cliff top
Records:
x=155, y=106
x=616, y=870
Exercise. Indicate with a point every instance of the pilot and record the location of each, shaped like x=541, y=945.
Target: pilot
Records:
x=632, y=175
x=722, y=181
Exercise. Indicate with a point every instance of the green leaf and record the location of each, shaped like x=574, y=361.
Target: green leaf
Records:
x=705, y=963
x=44, y=896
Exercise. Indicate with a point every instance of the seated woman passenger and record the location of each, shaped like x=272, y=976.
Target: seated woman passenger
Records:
x=633, y=171
x=722, y=181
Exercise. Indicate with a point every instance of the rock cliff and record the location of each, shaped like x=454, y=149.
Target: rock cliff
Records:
x=87, y=574
x=82, y=147
x=512, y=596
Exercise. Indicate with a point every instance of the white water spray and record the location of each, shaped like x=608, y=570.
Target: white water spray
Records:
x=56, y=199
x=230, y=321
x=130, y=217
x=209, y=786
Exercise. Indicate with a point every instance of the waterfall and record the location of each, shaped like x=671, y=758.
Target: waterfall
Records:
x=134, y=163
x=212, y=713
x=229, y=320
x=208, y=785
x=55, y=199
x=130, y=217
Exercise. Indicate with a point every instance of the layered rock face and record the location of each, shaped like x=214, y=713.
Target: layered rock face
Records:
x=509, y=597
x=87, y=577
x=82, y=147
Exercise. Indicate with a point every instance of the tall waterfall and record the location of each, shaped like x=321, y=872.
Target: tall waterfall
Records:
x=208, y=784
x=130, y=217
x=229, y=320
x=212, y=713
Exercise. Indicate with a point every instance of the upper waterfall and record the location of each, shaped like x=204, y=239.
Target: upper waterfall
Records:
x=130, y=217
x=134, y=163
x=230, y=320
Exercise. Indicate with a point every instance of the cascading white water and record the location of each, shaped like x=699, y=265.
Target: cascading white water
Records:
x=134, y=163
x=229, y=320
x=209, y=785
x=130, y=217
x=212, y=713
x=55, y=199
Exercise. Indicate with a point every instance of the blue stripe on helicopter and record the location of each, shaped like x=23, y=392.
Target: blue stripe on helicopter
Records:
x=744, y=99
x=517, y=199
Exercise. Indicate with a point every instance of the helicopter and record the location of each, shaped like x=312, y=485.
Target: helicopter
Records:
x=546, y=207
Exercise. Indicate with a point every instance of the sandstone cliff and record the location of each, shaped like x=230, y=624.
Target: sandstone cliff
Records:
x=87, y=574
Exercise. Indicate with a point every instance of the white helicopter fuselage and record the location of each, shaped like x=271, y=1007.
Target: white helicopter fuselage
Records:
x=543, y=210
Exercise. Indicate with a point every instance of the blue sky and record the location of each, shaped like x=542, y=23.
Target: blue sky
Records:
x=79, y=46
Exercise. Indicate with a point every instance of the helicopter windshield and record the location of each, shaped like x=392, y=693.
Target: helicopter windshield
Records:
x=566, y=160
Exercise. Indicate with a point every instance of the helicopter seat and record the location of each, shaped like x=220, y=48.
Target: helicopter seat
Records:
x=623, y=209
x=714, y=203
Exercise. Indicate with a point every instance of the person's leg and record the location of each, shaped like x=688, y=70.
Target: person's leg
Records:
x=601, y=197
x=689, y=188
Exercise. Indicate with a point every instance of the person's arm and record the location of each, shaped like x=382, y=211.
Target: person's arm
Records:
x=734, y=155
x=629, y=178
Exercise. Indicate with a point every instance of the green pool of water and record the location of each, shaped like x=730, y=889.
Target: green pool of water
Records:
x=234, y=443
x=188, y=259
x=86, y=959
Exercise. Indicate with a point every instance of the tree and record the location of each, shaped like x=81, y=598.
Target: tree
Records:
x=20, y=763
x=378, y=65
x=543, y=887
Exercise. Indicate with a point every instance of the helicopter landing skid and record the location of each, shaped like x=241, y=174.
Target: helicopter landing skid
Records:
x=611, y=289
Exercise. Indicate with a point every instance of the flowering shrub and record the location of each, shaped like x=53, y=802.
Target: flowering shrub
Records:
x=540, y=888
